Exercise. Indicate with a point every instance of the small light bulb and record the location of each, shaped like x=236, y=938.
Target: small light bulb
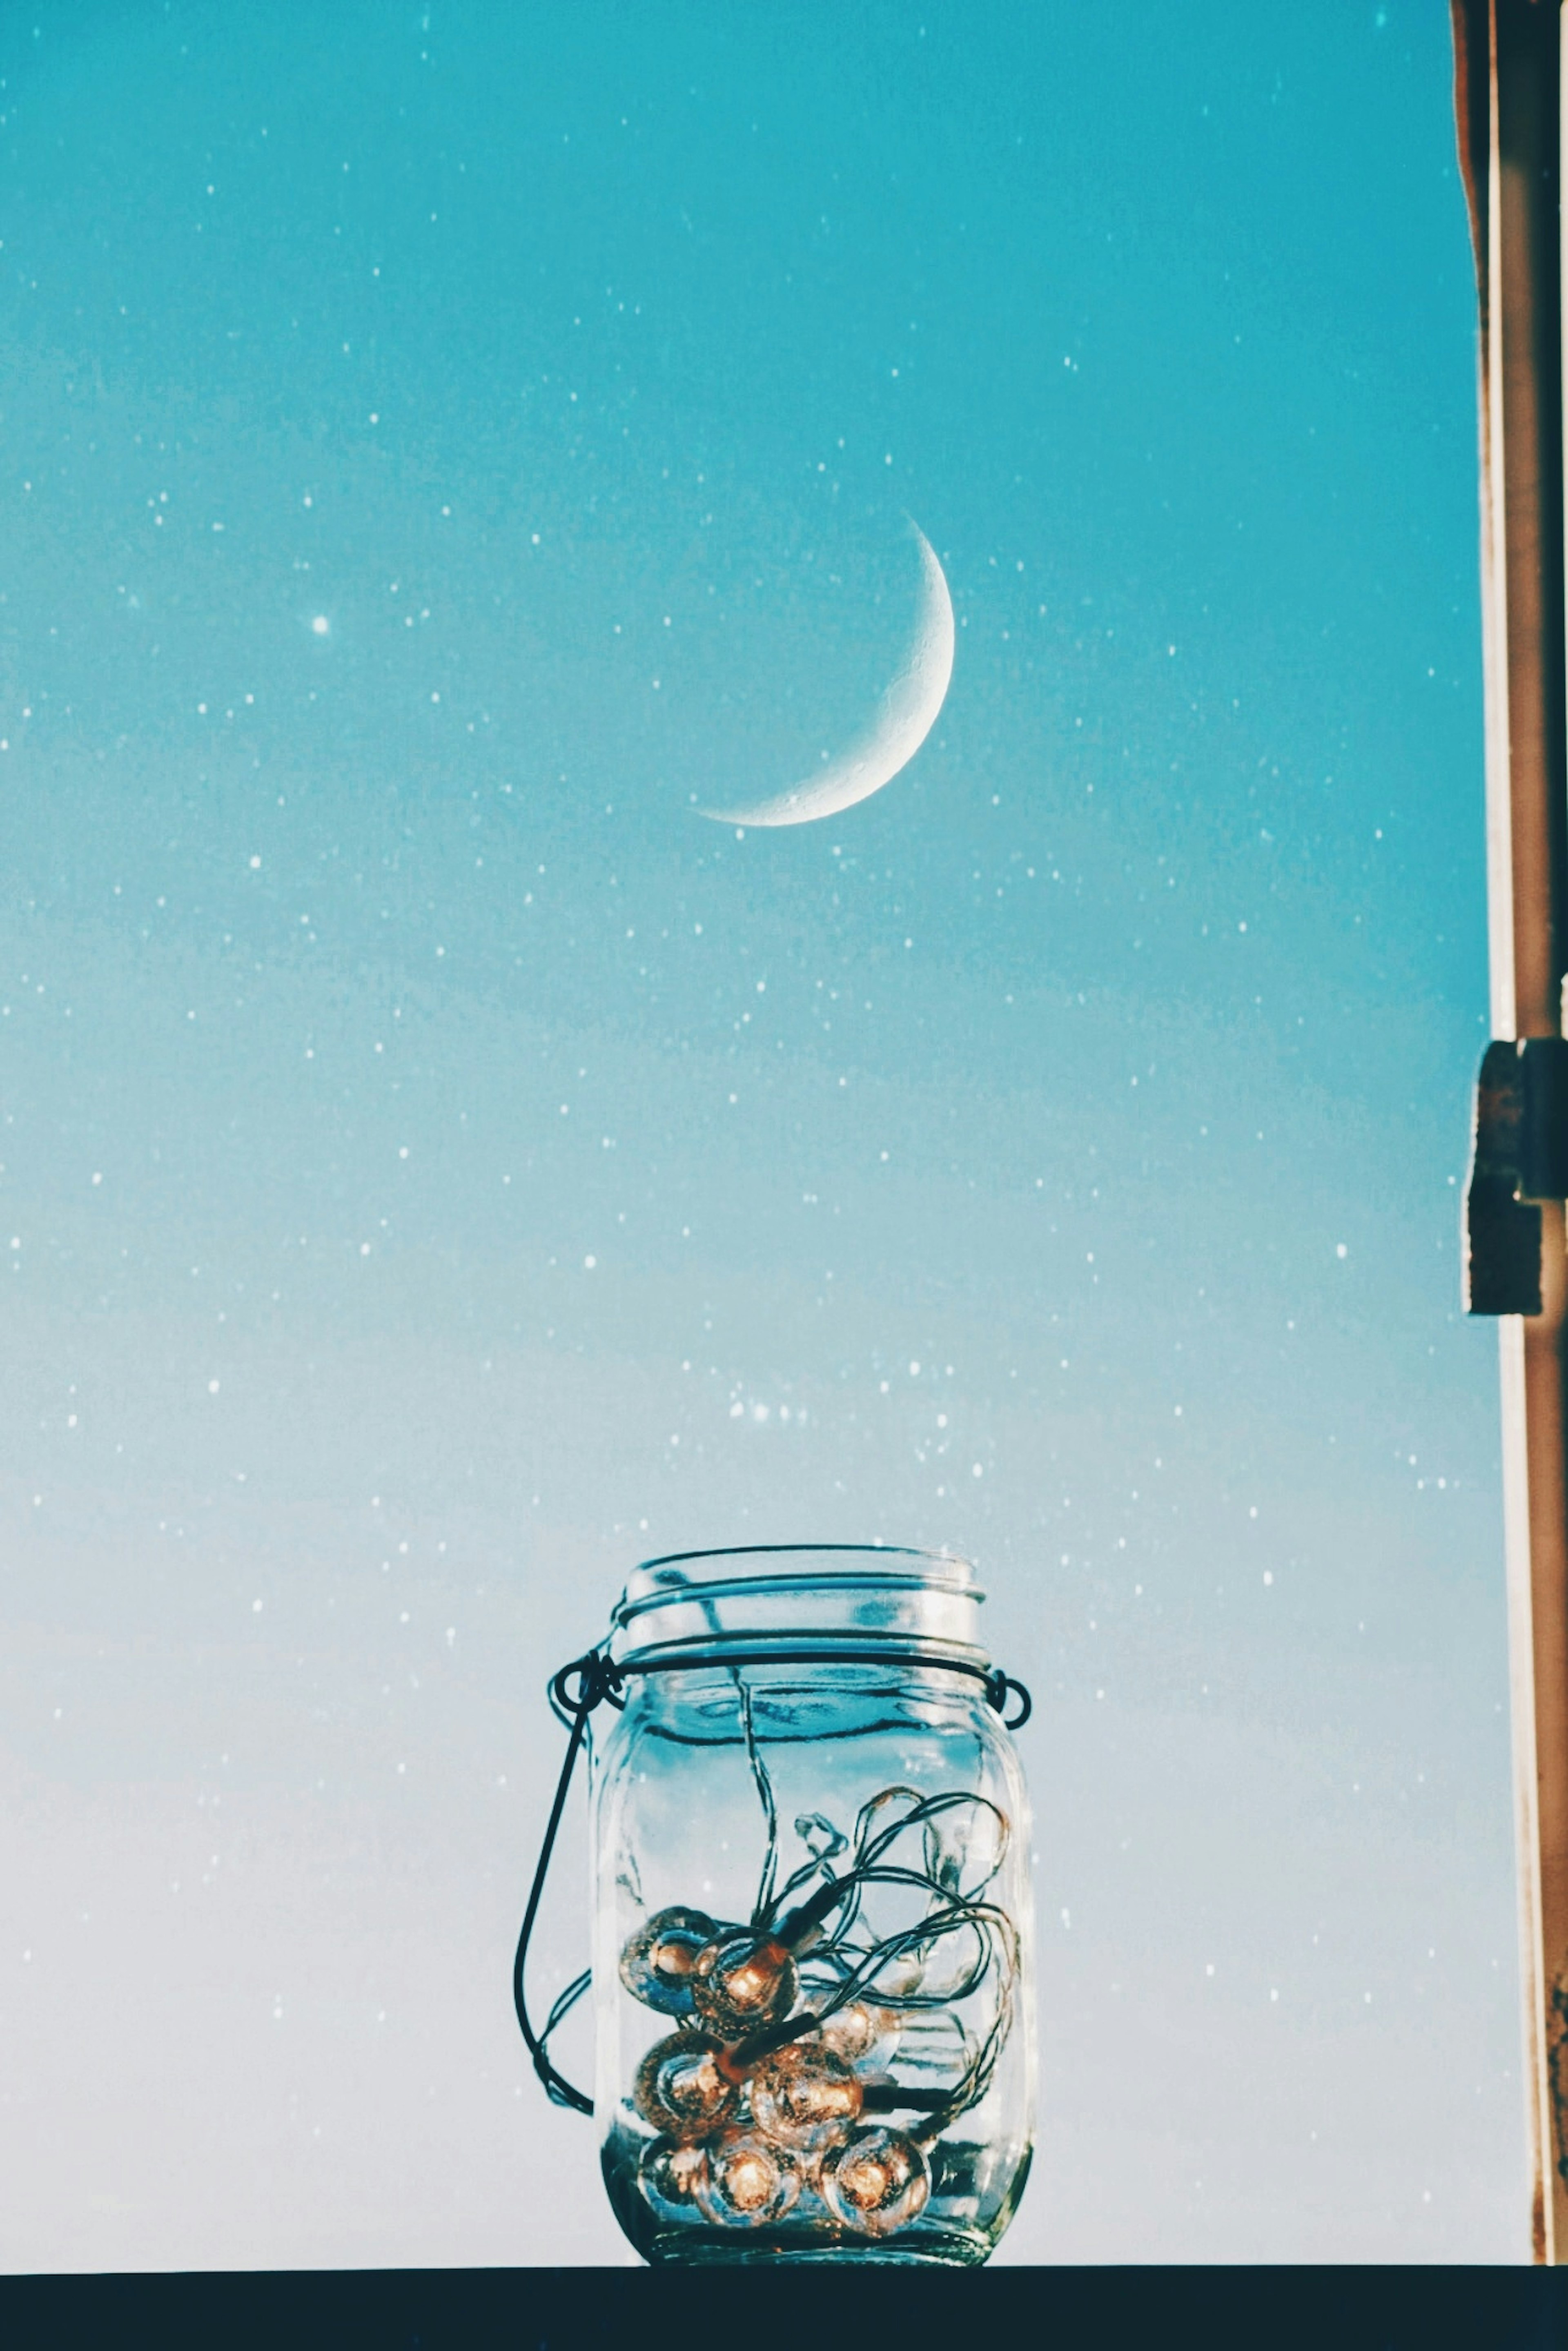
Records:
x=876, y=2183
x=855, y=2030
x=742, y=1980
x=744, y=2180
x=680, y=2089
x=805, y=2097
x=668, y=2173
x=657, y=1962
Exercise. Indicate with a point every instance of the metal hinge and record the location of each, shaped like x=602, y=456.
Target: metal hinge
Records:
x=1519, y=1158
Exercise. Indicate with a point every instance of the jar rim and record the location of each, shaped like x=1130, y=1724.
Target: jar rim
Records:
x=760, y=1568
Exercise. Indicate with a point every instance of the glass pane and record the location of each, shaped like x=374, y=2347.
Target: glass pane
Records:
x=446, y=452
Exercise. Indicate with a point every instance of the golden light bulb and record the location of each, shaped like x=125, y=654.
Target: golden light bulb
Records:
x=741, y=1981
x=744, y=2181
x=657, y=1962
x=805, y=2097
x=876, y=2183
x=680, y=2089
x=854, y=2029
x=668, y=2173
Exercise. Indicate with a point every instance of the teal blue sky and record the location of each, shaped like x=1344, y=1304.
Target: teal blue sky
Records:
x=441, y=448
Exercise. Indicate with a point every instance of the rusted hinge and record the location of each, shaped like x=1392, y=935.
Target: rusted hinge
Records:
x=1519, y=1158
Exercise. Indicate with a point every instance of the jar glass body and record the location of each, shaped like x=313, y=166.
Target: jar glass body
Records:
x=811, y=1963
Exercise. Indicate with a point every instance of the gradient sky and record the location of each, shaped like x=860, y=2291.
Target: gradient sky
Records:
x=440, y=447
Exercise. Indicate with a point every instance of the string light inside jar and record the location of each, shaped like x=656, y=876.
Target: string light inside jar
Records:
x=763, y=2105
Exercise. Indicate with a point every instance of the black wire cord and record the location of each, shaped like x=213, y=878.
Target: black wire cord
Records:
x=574, y=1693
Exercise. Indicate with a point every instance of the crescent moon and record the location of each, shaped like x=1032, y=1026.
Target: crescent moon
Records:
x=905, y=715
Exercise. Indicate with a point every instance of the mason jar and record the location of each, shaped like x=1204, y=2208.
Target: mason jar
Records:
x=811, y=1962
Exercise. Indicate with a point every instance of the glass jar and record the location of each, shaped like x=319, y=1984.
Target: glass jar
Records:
x=812, y=1960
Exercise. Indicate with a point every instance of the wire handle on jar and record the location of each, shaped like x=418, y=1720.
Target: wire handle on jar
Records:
x=592, y=1679
x=596, y=1680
